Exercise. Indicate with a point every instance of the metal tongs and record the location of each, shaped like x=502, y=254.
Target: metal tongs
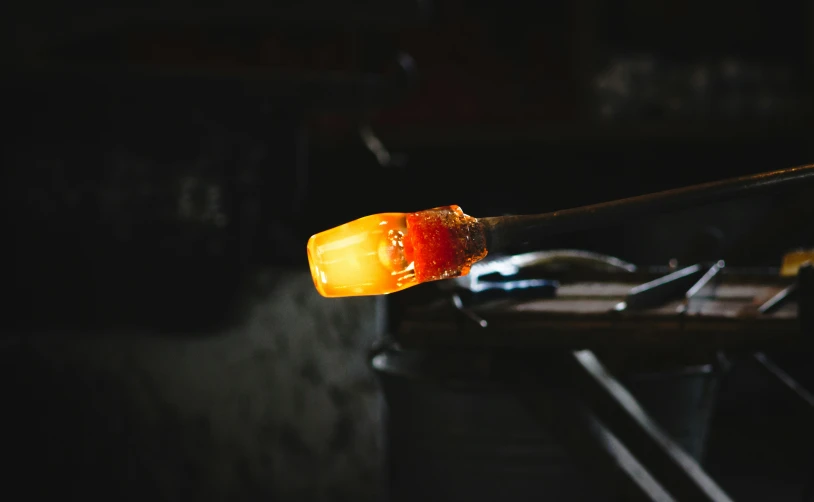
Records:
x=688, y=282
x=507, y=277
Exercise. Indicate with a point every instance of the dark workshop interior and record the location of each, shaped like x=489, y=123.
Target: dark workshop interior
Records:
x=166, y=163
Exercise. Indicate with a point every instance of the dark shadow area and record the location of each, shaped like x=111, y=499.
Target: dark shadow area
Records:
x=166, y=162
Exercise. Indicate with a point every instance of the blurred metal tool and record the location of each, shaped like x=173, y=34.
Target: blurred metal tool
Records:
x=803, y=394
x=458, y=303
x=781, y=298
x=659, y=291
x=705, y=280
x=508, y=266
x=528, y=289
x=507, y=277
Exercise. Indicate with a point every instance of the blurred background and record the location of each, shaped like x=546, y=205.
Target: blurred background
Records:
x=166, y=162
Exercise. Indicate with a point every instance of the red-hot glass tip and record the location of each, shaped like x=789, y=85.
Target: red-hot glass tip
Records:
x=389, y=252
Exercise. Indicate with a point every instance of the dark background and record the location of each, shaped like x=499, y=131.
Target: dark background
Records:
x=165, y=163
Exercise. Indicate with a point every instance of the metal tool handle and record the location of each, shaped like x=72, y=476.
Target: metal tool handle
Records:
x=508, y=231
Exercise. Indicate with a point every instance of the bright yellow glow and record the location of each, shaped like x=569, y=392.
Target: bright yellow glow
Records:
x=368, y=256
x=389, y=252
x=793, y=260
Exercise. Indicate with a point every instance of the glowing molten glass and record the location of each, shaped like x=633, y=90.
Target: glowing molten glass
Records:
x=389, y=252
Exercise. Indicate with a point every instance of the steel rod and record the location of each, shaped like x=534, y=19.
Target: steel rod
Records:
x=512, y=231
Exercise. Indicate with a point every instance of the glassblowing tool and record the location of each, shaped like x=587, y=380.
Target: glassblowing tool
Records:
x=389, y=252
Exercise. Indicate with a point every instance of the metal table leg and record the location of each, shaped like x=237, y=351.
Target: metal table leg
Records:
x=637, y=446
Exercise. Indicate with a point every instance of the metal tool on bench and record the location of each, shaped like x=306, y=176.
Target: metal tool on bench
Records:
x=507, y=277
x=504, y=277
x=687, y=282
x=655, y=293
x=783, y=296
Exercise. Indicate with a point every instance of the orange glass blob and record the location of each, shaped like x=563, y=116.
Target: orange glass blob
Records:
x=364, y=257
x=446, y=242
x=389, y=252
